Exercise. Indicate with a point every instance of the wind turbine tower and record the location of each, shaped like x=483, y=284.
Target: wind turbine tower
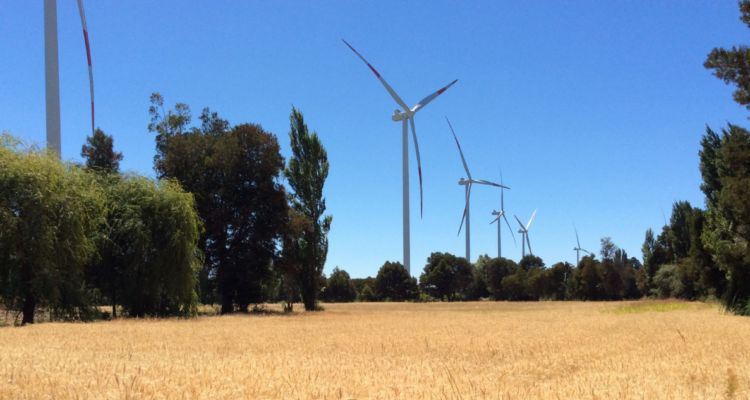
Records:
x=501, y=214
x=52, y=73
x=405, y=117
x=468, y=183
x=524, y=231
x=578, y=249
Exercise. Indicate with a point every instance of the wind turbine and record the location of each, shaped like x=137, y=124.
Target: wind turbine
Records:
x=468, y=183
x=524, y=231
x=501, y=214
x=406, y=116
x=578, y=249
x=52, y=73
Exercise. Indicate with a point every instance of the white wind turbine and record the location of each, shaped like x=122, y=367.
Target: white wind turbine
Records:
x=524, y=231
x=501, y=214
x=52, y=73
x=578, y=249
x=468, y=183
x=406, y=115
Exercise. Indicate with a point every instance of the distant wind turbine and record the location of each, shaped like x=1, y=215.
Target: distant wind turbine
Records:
x=578, y=249
x=406, y=116
x=467, y=183
x=524, y=231
x=52, y=73
x=501, y=214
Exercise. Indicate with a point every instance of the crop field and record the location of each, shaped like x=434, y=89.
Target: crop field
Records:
x=484, y=350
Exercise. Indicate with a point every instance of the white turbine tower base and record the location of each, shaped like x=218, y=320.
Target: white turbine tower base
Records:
x=468, y=183
x=406, y=116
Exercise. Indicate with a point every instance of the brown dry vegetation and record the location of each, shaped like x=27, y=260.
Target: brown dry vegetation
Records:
x=564, y=350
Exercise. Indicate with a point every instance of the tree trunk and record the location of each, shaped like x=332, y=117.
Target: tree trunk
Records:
x=289, y=283
x=114, y=306
x=29, y=305
x=227, y=304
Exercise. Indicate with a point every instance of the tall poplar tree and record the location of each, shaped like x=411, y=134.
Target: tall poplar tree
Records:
x=306, y=173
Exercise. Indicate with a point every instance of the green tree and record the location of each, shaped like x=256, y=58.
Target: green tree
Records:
x=292, y=251
x=725, y=165
x=340, y=288
x=445, y=275
x=367, y=294
x=148, y=252
x=100, y=154
x=679, y=230
x=393, y=282
x=497, y=269
x=712, y=280
x=733, y=66
x=49, y=214
x=234, y=174
x=306, y=175
x=478, y=289
x=531, y=261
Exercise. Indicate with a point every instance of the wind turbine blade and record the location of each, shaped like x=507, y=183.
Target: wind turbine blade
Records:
x=459, y=148
x=528, y=243
x=495, y=220
x=577, y=241
x=466, y=207
x=387, y=87
x=431, y=97
x=532, y=218
x=511, y=230
x=488, y=183
x=88, y=56
x=419, y=163
x=585, y=251
x=519, y=222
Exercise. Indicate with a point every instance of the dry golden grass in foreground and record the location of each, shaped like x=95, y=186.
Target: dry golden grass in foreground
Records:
x=391, y=351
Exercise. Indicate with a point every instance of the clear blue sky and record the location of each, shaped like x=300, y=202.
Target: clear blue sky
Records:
x=593, y=109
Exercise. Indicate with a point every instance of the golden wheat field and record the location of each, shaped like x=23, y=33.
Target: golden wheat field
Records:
x=485, y=350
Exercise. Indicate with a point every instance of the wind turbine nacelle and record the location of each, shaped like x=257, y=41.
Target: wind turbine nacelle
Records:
x=400, y=116
x=464, y=182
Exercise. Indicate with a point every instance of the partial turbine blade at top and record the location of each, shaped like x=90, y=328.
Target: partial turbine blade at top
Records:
x=511, y=230
x=88, y=56
x=431, y=97
x=459, y=148
x=532, y=218
x=577, y=241
x=419, y=163
x=387, y=87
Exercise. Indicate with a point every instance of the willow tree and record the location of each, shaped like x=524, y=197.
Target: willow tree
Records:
x=306, y=173
x=49, y=214
x=148, y=249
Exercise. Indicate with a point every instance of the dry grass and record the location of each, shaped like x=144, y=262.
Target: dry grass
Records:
x=390, y=351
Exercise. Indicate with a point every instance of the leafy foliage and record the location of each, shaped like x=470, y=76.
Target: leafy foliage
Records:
x=100, y=154
x=306, y=174
x=394, y=283
x=49, y=214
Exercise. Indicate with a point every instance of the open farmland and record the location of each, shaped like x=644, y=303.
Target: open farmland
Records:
x=481, y=350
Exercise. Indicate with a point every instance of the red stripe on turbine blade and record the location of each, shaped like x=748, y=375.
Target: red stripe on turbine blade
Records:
x=88, y=50
x=446, y=88
x=373, y=70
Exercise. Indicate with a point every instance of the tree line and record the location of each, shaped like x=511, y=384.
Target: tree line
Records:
x=216, y=225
